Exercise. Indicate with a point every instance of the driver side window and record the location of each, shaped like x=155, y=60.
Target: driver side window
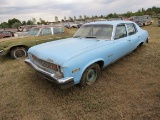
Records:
x=120, y=32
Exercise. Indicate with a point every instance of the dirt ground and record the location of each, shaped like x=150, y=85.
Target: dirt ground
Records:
x=127, y=90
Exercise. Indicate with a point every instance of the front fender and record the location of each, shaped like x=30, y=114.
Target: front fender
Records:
x=8, y=47
x=76, y=69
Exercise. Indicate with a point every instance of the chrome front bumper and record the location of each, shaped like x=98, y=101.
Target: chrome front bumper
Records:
x=63, y=83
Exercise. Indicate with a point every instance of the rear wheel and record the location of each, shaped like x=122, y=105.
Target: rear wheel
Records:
x=18, y=52
x=90, y=75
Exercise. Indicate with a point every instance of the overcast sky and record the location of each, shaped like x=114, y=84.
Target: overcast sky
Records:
x=48, y=9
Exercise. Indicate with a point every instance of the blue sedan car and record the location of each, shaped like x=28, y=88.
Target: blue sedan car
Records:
x=78, y=60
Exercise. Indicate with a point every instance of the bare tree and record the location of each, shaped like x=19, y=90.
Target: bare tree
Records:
x=56, y=18
x=34, y=20
x=80, y=17
x=64, y=18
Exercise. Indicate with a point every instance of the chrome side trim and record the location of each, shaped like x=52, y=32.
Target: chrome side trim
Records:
x=1, y=51
x=53, y=75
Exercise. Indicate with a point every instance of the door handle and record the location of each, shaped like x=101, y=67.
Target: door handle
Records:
x=129, y=40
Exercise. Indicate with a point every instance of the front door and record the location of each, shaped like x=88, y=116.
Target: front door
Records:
x=121, y=42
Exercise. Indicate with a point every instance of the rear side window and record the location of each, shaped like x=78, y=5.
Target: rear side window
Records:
x=120, y=31
x=46, y=31
x=131, y=29
x=58, y=30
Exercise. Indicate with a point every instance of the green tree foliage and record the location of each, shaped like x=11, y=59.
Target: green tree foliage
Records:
x=13, y=21
x=24, y=23
x=101, y=16
x=16, y=25
x=154, y=11
x=110, y=15
x=42, y=21
x=128, y=14
x=4, y=25
x=29, y=22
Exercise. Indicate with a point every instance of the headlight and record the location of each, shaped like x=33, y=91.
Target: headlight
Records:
x=60, y=69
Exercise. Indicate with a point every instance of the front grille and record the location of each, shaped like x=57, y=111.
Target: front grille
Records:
x=43, y=64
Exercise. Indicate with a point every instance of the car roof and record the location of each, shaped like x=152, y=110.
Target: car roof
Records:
x=114, y=22
x=46, y=26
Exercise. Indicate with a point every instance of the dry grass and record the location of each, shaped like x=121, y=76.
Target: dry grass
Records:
x=127, y=90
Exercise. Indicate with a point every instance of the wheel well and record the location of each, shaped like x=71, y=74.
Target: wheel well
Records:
x=141, y=44
x=26, y=47
x=100, y=63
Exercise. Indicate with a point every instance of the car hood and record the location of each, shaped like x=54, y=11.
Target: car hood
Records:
x=12, y=38
x=61, y=51
x=15, y=40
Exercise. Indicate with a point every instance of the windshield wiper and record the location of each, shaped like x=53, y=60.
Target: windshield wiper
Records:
x=91, y=37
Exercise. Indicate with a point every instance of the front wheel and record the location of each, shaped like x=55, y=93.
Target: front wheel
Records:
x=18, y=52
x=90, y=75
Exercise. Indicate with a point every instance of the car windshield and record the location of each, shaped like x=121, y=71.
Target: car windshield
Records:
x=101, y=31
x=33, y=32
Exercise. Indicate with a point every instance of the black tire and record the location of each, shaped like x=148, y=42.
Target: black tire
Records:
x=90, y=75
x=18, y=52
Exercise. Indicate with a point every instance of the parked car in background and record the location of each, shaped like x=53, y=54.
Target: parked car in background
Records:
x=80, y=23
x=146, y=19
x=17, y=46
x=23, y=30
x=78, y=60
x=142, y=20
x=73, y=24
x=139, y=23
x=136, y=20
x=6, y=34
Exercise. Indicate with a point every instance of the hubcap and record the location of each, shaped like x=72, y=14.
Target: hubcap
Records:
x=91, y=76
x=19, y=53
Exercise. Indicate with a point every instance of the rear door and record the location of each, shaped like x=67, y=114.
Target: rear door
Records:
x=133, y=36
